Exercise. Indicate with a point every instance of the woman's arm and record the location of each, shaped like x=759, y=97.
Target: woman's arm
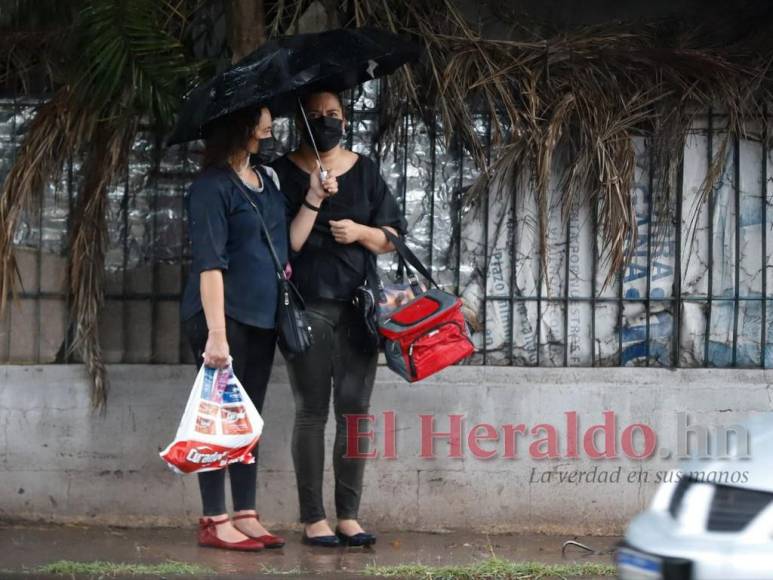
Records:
x=208, y=211
x=384, y=210
x=212, y=292
x=349, y=232
x=303, y=222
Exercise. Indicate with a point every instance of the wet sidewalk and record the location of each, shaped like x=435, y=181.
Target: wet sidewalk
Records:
x=27, y=547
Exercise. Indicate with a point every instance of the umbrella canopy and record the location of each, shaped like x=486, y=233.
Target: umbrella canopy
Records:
x=283, y=69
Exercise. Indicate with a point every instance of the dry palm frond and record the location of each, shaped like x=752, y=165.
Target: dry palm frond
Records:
x=127, y=67
x=108, y=154
x=61, y=127
x=585, y=96
x=34, y=37
x=56, y=128
x=589, y=94
x=27, y=54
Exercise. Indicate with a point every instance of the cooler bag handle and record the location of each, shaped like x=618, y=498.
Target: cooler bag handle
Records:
x=408, y=257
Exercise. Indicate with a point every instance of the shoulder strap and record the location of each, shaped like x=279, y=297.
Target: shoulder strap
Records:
x=408, y=256
x=280, y=271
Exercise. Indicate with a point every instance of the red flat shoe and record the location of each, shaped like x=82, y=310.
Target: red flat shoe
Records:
x=208, y=538
x=268, y=540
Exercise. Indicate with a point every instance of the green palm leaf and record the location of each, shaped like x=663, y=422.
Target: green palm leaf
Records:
x=130, y=60
x=118, y=64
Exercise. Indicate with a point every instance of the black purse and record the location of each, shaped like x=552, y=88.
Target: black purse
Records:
x=292, y=322
x=366, y=299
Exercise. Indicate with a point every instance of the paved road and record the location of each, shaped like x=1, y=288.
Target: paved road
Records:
x=28, y=546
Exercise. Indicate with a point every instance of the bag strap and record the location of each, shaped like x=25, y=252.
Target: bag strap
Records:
x=408, y=256
x=402, y=270
x=280, y=271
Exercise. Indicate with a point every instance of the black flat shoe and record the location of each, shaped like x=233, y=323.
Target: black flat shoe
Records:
x=324, y=541
x=359, y=539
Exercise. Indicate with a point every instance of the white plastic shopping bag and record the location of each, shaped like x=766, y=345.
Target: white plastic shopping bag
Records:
x=220, y=425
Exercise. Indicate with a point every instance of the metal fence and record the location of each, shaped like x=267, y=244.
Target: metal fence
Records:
x=696, y=292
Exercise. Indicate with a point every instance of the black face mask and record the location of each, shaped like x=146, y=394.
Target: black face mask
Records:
x=327, y=132
x=266, y=150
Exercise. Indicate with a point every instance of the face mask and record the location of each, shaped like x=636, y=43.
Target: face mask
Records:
x=327, y=132
x=266, y=150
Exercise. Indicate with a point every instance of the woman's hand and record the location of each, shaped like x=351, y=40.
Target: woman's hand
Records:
x=216, y=352
x=321, y=189
x=346, y=231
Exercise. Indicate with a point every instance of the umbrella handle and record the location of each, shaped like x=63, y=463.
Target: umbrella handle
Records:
x=323, y=171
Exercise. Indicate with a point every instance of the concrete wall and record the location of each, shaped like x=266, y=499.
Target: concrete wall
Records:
x=60, y=462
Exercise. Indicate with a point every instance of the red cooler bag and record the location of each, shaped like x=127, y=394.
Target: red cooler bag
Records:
x=428, y=333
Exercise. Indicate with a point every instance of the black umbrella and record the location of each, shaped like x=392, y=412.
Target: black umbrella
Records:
x=282, y=70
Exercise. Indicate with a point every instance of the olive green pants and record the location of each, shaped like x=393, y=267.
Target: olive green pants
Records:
x=337, y=363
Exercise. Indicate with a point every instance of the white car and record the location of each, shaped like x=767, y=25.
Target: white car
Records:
x=699, y=529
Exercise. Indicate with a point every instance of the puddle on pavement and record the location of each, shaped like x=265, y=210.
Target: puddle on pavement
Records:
x=34, y=545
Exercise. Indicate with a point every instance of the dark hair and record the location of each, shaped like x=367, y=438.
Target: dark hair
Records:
x=306, y=98
x=226, y=135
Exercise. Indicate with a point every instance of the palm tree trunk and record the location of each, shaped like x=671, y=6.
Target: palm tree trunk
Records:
x=246, y=26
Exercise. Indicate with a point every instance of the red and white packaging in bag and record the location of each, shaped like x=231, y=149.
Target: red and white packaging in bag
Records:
x=220, y=425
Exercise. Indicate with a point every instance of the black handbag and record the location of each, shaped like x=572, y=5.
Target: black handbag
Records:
x=292, y=323
x=366, y=299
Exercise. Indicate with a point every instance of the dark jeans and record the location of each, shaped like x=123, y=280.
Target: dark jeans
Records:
x=252, y=351
x=339, y=363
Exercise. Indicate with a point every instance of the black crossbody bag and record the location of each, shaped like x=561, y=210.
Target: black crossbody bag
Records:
x=292, y=323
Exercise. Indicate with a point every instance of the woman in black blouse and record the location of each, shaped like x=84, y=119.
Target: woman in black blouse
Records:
x=334, y=231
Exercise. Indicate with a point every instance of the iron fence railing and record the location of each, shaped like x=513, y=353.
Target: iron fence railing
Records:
x=696, y=292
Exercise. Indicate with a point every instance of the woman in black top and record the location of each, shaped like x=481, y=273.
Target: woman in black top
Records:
x=229, y=304
x=334, y=231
